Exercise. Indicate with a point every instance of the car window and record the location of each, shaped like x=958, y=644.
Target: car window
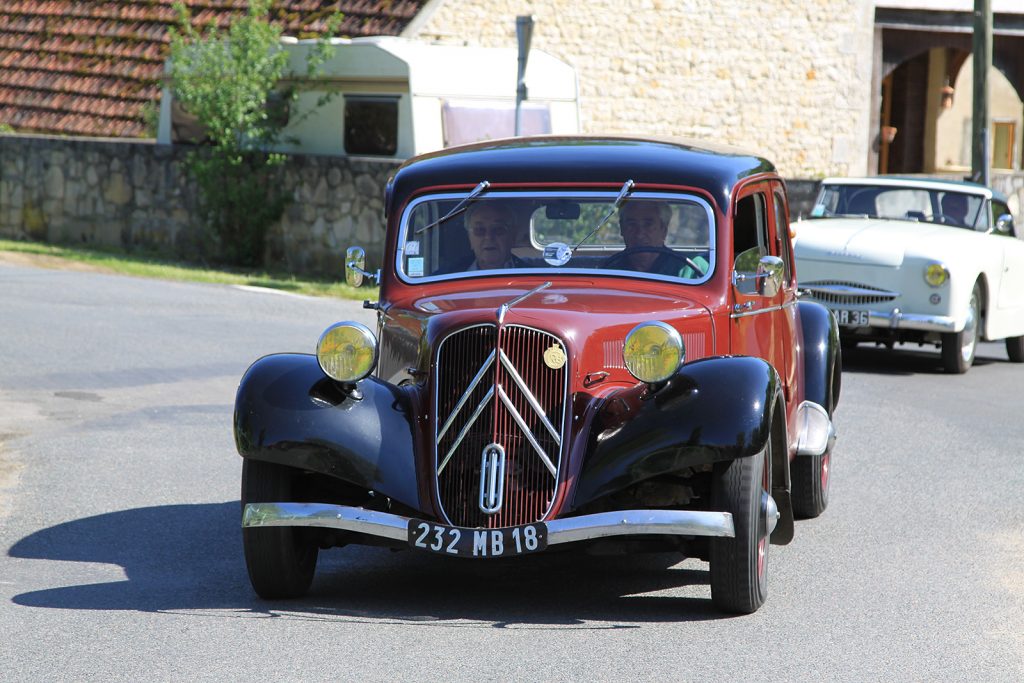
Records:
x=947, y=207
x=999, y=209
x=750, y=226
x=658, y=235
x=782, y=234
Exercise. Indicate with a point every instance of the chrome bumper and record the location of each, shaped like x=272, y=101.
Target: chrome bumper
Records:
x=898, y=320
x=582, y=528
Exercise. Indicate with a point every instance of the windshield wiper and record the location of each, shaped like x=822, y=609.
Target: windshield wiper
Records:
x=627, y=189
x=460, y=207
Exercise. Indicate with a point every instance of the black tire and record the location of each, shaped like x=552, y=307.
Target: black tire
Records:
x=739, y=565
x=959, y=348
x=280, y=560
x=811, y=475
x=1015, y=349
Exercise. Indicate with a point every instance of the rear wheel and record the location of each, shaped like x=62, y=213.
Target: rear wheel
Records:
x=810, y=477
x=958, y=348
x=739, y=565
x=280, y=560
x=1015, y=349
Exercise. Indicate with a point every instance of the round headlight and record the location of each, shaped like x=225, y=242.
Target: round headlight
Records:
x=347, y=351
x=936, y=274
x=653, y=351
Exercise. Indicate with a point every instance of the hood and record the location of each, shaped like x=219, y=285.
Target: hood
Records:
x=867, y=241
x=582, y=313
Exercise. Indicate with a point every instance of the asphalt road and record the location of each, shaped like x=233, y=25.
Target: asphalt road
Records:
x=121, y=553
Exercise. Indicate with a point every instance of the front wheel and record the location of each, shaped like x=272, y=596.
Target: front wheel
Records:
x=280, y=560
x=958, y=348
x=739, y=565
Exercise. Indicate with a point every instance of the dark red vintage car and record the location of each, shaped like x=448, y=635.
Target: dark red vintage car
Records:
x=586, y=343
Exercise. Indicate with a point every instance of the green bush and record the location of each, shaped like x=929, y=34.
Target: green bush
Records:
x=225, y=78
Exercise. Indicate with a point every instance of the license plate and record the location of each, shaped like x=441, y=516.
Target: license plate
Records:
x=852, y=318
x=463, y=542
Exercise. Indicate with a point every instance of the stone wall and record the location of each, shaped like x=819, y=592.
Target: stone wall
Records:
x=136, y=195
x=788, y=79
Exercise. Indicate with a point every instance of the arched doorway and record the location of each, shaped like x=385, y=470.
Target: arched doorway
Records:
x=923, y=92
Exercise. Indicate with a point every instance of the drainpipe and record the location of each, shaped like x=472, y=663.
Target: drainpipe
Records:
x=981, y=136
x=524, y=32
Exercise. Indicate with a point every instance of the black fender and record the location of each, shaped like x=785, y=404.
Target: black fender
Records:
x=288, y=412
x=823, y=363
x=711, y=410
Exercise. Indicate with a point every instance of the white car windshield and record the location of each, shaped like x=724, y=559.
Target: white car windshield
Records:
x=654, y=235
x=944, y=206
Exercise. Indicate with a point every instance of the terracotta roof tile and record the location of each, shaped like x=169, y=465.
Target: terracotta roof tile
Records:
x=91, y=67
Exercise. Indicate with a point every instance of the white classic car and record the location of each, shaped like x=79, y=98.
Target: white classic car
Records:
x=915, y=260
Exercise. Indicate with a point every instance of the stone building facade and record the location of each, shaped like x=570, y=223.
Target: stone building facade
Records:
x=789, y=79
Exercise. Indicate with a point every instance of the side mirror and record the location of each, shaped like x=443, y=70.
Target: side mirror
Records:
x=355, y=264
x=1004, y=224
x=762, y=277
x=355, y=267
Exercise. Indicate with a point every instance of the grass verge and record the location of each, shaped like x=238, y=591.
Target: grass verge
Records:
x=140, y=265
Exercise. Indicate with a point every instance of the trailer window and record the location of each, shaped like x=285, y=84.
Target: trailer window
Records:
x=371, y=125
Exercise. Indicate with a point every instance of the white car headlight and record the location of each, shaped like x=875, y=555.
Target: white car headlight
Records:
x=653, y=351
x=936, y=274
x=347, y=351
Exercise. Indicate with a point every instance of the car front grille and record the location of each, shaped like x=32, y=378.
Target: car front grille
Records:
x=499, y=390
x=846, y=293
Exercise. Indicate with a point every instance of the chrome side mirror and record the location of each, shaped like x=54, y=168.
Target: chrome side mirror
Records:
x=355, y=267
x=1004, y=224
x=762, y=277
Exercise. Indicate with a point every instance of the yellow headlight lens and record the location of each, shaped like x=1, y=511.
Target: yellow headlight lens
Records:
x=347, y=351
x=653, y=351
x=936, y=274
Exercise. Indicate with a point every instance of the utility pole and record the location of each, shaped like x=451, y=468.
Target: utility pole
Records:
x=524, y=33
x=981, y=136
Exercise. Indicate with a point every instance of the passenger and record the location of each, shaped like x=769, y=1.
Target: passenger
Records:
x=644, y=227
x=492, y=228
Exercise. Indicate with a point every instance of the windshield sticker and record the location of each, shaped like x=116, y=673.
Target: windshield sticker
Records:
x=415, y=267
x=818, y=211
x=412, y=248
x=557, y=254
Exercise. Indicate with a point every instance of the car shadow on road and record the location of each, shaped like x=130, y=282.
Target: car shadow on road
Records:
x=904, y=360
x=188, y=558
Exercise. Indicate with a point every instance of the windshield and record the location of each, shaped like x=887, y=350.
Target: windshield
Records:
x=656, y=235
x=947, y=207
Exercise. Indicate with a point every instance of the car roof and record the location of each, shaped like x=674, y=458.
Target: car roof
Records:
x=544, y=160
x=920, y=182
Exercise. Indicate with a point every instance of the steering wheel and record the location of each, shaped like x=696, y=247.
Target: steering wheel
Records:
x=617, y=261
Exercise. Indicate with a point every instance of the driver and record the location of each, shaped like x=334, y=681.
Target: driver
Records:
x=954, y=209
x=644, y=227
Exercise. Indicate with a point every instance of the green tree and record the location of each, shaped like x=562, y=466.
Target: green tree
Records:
x=226, y=79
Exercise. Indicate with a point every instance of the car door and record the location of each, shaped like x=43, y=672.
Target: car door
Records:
x=1011, y=285
x=758, y=325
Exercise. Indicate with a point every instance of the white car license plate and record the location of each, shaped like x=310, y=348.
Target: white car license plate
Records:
x=464, y=542
x=851, y=318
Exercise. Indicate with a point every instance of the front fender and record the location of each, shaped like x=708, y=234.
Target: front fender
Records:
x=822, y=355
x=288, y=412
x=712, y=410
